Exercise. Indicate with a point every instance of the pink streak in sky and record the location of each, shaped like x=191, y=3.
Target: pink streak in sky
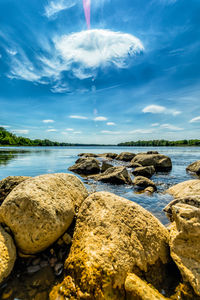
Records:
x=86, y=5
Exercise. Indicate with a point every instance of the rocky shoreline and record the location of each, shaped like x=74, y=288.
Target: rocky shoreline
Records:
x=59, y=242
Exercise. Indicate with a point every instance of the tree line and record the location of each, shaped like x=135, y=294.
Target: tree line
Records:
x=9, y=139
x=160, y=143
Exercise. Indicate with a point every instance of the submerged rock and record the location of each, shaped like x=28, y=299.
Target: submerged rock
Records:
x=137, y=288
x=126, y=156
x=194, y=167
x=7, y=254
x=86, y=166
x=113, y=237
x=185, y=189
x=40, y=209
x=159, y=161
x=143, y=182
x=144, y=171
x=8, y=184
x=114, y=175
x=88, y=154
x=108, y=155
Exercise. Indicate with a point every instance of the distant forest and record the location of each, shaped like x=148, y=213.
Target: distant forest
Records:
x=156, y=143
x=9, y=139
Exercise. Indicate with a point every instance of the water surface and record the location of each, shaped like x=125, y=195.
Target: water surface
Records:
x=33, y=161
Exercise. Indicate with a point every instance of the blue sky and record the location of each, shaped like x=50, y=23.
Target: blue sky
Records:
x=134, y=75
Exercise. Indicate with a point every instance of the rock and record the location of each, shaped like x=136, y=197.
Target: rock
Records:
x=149, y=190
x=185, y=242
x=126, y=156
x=152, y=152
x=114, y=175
x=134, y=165
x=86, y=166
x=159, y=161
x=40, y=209
x=88, y=154
x=137, y=288
x=194, y=167
x=105, y=166
x=143, y=182
x=8, y=184
x=113, y=237
x=108, y=155
x=144, y=171
x=7, y=254
x=185, y=189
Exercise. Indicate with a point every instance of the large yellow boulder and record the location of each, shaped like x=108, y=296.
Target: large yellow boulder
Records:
x=185, y=189
x=113, y=236
x=40, y=209
x=7, y=254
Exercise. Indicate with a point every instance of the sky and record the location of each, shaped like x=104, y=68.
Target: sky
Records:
x=102, y=71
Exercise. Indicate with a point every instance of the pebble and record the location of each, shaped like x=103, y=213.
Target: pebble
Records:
x=33, y=269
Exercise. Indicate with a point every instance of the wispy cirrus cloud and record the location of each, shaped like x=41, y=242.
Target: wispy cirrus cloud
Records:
x=48, y=121
x=158, y=109
x=171, y=127
x=144, y=131
x=51, y=130
x=100, y=119
x=80, y=55
x=20, y=131
x=110, y=124
x=195, y=120
x=56, y=6
x=5, y=126
x=78, y=117
x=110, y=132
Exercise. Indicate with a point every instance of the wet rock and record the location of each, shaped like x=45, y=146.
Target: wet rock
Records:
x=88, y=154
x=108, y=155
x=149, y=190
x=134, y=165
x=185, y=189
x=185, y=242
x=7, y=254
x=144, y=171
x=114, y=175
x=105, y=166
x=86, y=167
x=113, y=236
x=159, y=161
x=152, y=152
x=8, y=184
x=143, y=182
x=40, y=209
x=126, y=156
x=194, y=167
x=137, y=288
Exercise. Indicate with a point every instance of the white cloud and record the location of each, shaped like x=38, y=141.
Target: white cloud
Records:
x=78, y=117
x=110, y=124
x=77, y=132
x=11, y=52
x=158, y=109
x=100, y=119
x=21, y=131
x=155, y=124
x=81, y=54
x=194, y=120
x=5, y=126
x=171, y=127
x=69, y=129
x=51, y=130
x=48, y=121
x=145, y=131
x=96, y=48
x=55, y=6
x=110, y=132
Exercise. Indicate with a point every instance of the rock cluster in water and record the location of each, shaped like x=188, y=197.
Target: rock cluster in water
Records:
x=113, y=248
